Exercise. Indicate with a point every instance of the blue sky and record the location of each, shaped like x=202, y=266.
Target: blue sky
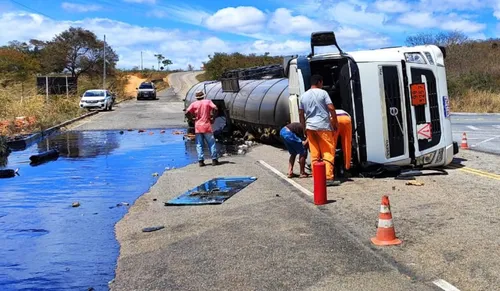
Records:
x=188, y=31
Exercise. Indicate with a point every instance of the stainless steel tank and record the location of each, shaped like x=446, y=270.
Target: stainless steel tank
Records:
x=259, y=105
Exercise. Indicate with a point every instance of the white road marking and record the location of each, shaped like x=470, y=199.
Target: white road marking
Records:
x=282, y=176
x=486, y=140
x=472, y=127
x=445, y=285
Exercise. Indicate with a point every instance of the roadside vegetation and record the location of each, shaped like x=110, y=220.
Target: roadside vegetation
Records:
x=473, y=70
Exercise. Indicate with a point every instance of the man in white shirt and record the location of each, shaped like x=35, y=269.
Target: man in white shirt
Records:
x=317, y=115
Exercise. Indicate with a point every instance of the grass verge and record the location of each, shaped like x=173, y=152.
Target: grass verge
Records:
x=34, y=113
x=478, y=101
x=201, y=77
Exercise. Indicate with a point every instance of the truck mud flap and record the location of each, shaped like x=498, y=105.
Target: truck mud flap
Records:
x=455, y=148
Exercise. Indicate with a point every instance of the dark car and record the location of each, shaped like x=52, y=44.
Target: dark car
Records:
x=146, y=90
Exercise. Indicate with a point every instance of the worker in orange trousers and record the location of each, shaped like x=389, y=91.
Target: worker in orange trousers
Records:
x=344, y=130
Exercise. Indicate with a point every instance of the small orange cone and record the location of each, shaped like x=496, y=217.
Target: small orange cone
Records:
x=386, y=235
x=464, y=145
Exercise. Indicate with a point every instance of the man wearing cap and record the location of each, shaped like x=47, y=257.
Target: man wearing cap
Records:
x=202, y=109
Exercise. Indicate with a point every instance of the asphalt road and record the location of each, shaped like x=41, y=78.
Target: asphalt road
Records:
x=482, y=130
x=183, y=81
x=164, y=112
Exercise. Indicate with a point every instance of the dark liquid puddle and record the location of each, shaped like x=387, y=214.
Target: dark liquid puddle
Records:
x=45, y=243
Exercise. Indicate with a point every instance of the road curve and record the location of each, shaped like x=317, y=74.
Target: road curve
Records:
x=483, y=131
x=181, y=82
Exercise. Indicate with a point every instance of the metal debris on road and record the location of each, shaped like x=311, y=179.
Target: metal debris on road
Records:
x=415, y=183
x=153, y=228
x=9, y=173
x=156, y=174
x=75, y=204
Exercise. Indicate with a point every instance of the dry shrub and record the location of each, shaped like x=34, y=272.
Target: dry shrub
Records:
x=40, y=114
x=476, y=101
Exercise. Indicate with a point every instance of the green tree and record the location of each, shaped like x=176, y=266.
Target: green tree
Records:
x=160, y=58
x=221, y=62
x=18, y=66
x=166, y=63
x=77, y=51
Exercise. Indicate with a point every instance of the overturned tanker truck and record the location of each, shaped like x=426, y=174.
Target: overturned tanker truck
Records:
x=397, y=98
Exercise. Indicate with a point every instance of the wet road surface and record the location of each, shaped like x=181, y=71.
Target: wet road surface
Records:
x=47, y=243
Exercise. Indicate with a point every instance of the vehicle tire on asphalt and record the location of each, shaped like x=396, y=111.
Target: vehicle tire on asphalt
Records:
x=110, y=107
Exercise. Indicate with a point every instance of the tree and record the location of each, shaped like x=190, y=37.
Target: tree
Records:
x=190, y=67
x=166, y=63
x=17, y=65
x=440, y=39
x=160, y=58
x=77, y=51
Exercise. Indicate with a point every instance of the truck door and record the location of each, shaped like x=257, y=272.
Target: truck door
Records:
x=298, y=82
x=425, y=119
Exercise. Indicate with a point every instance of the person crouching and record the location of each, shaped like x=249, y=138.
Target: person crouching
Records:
x=295, y=142
x=202, y=109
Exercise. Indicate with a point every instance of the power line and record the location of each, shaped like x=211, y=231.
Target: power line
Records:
x=34, y=10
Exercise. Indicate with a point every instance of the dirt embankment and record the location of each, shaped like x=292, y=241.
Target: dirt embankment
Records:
x=133, y=83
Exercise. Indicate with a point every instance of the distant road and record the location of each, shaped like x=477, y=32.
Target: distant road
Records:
x=483, y=130
x=181, y=82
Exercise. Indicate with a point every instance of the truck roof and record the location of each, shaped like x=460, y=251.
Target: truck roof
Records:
x=393, y=54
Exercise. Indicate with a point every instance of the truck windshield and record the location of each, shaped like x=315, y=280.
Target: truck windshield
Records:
x=94, y=94
x=146, y=86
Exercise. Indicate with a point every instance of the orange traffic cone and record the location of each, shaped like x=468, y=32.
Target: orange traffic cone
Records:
x=386, y=235
x=464, y=145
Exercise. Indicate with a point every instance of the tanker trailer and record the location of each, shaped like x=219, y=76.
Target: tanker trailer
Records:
x=397, y=99
x=253, y=100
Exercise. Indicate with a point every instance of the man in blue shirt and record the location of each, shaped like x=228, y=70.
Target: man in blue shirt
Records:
x=295, y=142
x=317, y=115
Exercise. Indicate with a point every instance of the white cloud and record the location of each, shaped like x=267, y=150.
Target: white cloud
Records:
x=418, y=20
x=282, y=22
x=184, y=13
x=450, y=22
x=73, y=7
x=287, y=47
x=449, y=5
x=141, y=1
x=466, y=26
x=245, y=19
x=391, y=6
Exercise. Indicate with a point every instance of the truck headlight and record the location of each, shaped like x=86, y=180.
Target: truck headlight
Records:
x=416, y=58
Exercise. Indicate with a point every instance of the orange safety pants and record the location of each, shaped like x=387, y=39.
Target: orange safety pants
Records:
x=345, y=131
x=322, y=144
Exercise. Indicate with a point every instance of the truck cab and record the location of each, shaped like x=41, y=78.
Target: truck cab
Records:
x=397, y=99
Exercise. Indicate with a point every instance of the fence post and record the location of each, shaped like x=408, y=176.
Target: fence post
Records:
x=47, y=88
x=67, y=89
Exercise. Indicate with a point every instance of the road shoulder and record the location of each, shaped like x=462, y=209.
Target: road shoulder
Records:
x=266, y=237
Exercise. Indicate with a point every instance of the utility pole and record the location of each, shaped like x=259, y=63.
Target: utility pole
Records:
x=142, y=64
x=104, y=58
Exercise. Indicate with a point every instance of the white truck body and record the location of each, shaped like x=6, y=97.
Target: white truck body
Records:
x=397, y=97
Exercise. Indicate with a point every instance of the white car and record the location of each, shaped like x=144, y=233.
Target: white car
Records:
x=99, y=99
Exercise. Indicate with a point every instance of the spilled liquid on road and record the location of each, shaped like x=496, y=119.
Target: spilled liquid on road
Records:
x=45, y=243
